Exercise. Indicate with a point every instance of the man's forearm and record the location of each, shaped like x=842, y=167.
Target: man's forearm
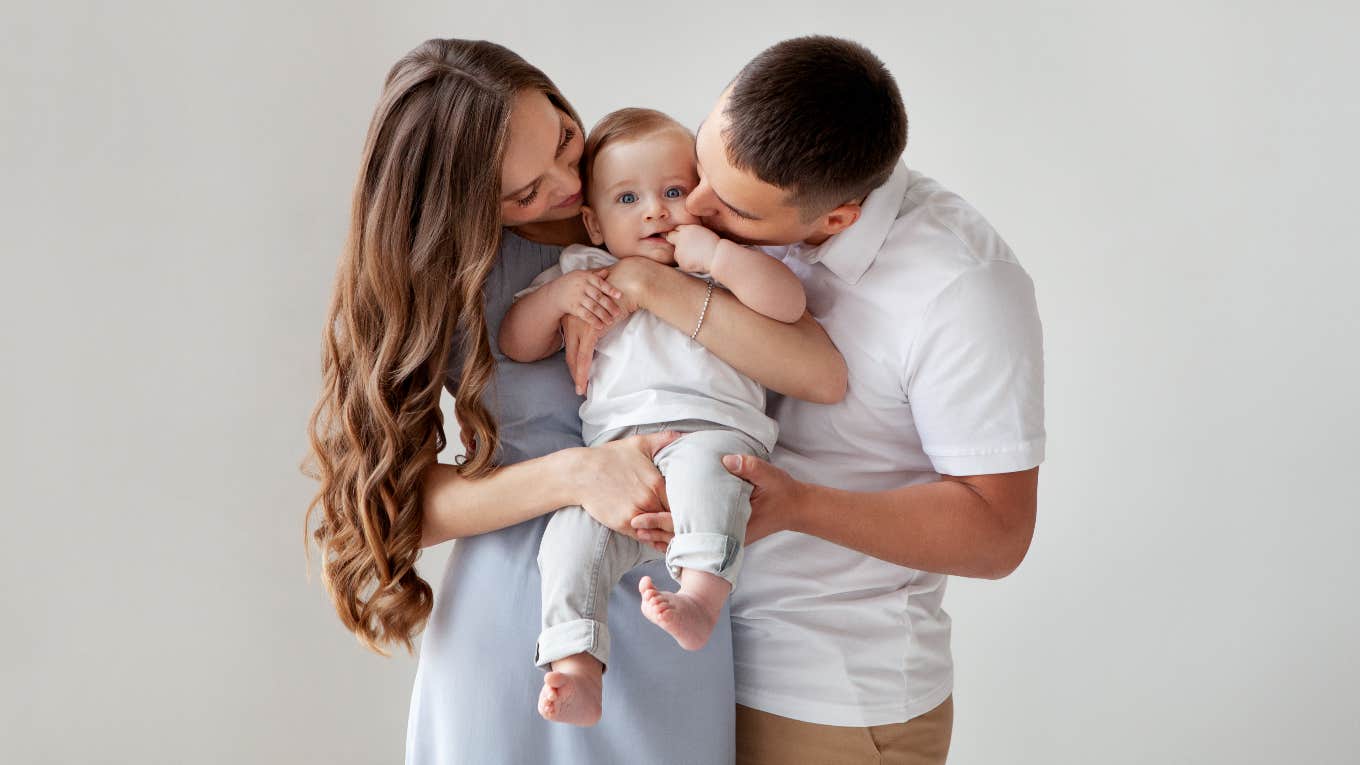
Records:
x=947, y=527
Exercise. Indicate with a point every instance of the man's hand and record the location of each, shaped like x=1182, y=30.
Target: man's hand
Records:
x=694, y=247
x=775, y=500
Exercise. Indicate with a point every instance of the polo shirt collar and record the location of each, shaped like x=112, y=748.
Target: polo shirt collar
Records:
x=850, y=253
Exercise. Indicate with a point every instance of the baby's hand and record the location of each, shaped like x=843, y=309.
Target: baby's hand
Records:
x=587, y=296
x=694, y=247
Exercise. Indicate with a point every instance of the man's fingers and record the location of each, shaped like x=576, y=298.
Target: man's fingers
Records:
x=753, y=470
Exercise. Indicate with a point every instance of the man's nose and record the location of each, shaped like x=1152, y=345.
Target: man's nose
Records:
x=699, y=203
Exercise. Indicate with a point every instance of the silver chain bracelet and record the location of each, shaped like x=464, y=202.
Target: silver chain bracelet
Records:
x=703, y=311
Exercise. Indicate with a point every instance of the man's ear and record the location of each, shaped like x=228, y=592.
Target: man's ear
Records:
x=592, y=222
x=840, y=219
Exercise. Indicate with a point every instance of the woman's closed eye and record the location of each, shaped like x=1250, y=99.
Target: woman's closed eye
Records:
x=567, y=135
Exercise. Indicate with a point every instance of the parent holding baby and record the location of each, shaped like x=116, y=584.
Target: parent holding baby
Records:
x=469, y=187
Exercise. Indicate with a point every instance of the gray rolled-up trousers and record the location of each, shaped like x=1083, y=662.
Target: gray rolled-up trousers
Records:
x=581, y=560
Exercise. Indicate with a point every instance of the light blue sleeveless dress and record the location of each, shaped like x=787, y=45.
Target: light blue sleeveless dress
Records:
x=476, y=686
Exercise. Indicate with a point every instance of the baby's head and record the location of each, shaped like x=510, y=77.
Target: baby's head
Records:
x=639, y=167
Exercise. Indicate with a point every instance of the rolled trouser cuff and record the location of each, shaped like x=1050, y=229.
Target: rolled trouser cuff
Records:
x=570, y=638
x=717, y=554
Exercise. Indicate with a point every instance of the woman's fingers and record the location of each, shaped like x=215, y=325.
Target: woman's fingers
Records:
x=651, y=443
x=649, y=521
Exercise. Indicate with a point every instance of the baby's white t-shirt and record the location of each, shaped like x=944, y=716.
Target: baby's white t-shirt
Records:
x=647, y=372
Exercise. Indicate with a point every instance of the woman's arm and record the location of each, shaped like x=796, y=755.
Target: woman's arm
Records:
x=612, y=482
x=796, y=359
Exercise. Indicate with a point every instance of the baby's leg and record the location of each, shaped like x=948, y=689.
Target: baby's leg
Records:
x=580, y=562
x=710, y=508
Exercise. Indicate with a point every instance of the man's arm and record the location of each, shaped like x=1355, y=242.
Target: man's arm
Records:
x=977, y=526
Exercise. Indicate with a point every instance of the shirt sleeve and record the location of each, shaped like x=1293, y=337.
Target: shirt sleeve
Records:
x=574, y=258
x=540, y=280
x=975, y=374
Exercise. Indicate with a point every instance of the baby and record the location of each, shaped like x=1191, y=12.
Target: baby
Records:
x=647, y=377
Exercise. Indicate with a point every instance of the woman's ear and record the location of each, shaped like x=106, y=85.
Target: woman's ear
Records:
x=592, y=222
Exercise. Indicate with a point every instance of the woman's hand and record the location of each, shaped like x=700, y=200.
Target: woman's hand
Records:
x=634, y=277
x=618, y=480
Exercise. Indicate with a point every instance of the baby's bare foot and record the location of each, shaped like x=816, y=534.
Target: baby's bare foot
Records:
x=685, y=616
x=571, y=697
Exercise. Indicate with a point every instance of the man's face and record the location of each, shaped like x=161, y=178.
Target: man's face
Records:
x=736, y=203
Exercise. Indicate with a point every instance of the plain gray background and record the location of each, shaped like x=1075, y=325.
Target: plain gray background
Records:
x=1177, y=177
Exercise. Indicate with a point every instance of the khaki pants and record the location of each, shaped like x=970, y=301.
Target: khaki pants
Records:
x=766, y=739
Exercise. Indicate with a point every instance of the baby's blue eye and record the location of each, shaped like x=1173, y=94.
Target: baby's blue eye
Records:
x=627, y=198
x=674, y=192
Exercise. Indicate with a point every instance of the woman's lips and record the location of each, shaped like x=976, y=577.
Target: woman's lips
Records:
x=569, y=201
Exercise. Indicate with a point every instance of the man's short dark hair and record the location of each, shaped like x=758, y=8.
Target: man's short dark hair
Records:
x=819, y=117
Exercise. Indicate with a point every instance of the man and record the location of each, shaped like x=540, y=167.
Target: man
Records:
x=928, y=467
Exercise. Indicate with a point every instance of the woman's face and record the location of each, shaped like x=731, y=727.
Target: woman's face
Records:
x=540, y=178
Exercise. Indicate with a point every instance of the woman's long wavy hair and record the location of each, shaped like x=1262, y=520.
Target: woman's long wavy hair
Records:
x=425, y=230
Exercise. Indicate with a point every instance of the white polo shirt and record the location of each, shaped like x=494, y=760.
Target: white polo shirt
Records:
x=938, y=325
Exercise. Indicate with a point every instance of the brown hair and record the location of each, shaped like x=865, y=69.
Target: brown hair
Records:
x=424, y=233
x=820, y=117
x=619, y=125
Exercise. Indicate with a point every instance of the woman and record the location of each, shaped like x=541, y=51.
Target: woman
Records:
x=468, y=188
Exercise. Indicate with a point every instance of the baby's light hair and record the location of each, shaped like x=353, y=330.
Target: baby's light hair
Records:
x=624, y=124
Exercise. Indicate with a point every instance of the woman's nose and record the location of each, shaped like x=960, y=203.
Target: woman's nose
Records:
x=568, y=178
